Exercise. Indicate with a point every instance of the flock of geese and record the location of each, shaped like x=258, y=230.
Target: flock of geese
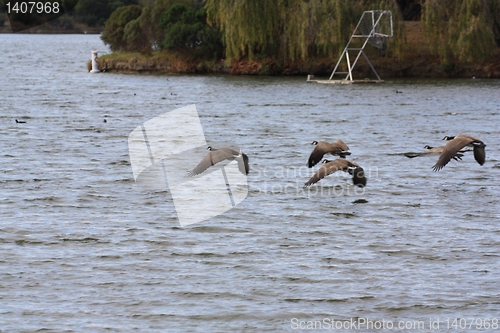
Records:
x=454, y=149
x=337, y=148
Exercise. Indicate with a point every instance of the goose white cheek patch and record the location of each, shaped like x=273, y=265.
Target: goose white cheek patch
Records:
x=162, y=152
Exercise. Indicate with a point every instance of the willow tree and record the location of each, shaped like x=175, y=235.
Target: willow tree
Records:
x=461, y=29
x=435, y=22
x=317, y=27
x=249, y=27
x=472, y=35
x=287, y=29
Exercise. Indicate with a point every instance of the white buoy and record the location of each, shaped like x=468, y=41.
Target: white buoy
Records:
x=95, y=66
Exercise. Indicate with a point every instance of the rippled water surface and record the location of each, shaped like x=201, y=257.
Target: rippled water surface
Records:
x=83, y=248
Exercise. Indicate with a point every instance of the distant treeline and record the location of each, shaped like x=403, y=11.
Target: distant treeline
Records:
x=92, y=13
x=288, y=30
x=176, y=25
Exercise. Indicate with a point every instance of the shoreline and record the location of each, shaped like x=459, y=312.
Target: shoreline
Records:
x=414, y=62
x=168, y=63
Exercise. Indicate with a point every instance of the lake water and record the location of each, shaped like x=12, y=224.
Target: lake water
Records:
x=84, y=249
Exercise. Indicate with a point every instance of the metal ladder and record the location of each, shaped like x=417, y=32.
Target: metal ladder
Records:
x=375, y=17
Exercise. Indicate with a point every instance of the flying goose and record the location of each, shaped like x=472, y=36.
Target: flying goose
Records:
x=329, y=167
x=436, y=151
x=336, y=148
x=218, y=155
x=456, y=144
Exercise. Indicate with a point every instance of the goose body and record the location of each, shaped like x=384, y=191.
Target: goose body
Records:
x=329, y=167
x=338, y=148
x=430, y=151
x=455, y=145
x=439, y=150
x=433, y=150
x=218, y=155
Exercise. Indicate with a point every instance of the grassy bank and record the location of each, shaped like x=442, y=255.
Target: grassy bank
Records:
x=409, y=67
x=160, y=62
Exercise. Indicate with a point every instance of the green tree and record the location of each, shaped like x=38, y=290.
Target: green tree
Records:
x=152, y=14
x=467, y=30
x=135, y=38
x=291, y=29
x=471, y=31
x=96, y=12
x=248, y=27
x=114, y=31
x=186, y=30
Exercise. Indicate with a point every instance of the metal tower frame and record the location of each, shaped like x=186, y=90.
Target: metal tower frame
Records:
x=376, y=17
